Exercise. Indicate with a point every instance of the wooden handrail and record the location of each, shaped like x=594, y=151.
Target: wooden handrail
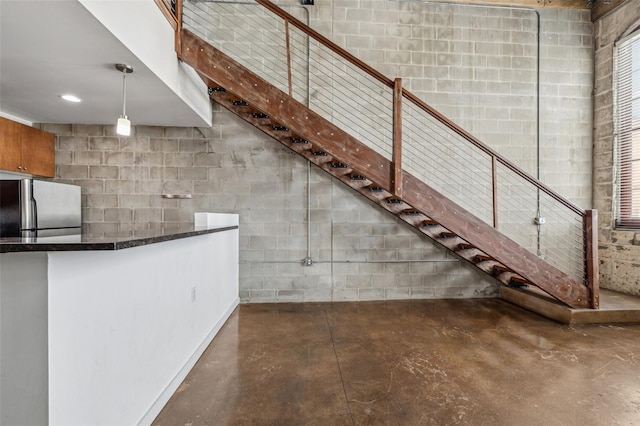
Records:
x=168, y=13
x=483, y=147
x=178, y=40
x=328, y=43
x=419, y=102
x=289, y=19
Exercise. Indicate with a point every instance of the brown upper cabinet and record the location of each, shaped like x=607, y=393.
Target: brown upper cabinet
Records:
x=25, y=149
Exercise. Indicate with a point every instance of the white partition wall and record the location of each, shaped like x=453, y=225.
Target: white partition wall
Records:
x=23, y=339
x=124, y=327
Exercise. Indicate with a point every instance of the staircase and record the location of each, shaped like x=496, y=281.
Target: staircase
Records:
x=383, y=180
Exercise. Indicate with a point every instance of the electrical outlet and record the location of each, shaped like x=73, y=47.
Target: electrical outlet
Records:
x=193, y=294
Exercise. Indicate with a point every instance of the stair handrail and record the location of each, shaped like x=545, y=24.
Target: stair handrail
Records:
x=168, y=12
x=417, y=101
x=589, y=217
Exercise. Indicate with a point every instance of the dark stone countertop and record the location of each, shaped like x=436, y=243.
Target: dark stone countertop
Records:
x=117, y=241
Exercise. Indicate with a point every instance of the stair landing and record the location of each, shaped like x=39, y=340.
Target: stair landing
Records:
x=615, y=308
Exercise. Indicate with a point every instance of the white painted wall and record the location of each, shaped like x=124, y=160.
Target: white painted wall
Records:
x=141, y=26
x=106, y=337
x=23, y=339
x=126, y=326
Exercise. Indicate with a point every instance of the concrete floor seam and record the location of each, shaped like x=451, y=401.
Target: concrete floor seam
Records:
x=437, y=362
x=335, y=354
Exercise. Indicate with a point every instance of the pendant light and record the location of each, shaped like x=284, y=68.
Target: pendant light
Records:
x=123, y=125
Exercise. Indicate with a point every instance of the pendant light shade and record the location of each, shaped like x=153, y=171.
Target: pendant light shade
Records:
x=123, y=125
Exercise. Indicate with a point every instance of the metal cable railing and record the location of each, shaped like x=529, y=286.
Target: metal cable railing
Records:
x=282, y=50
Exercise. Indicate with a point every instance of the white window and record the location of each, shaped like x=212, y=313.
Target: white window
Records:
x=627, y=121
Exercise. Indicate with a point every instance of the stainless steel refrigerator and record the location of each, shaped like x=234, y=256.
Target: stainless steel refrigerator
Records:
x=37, y=208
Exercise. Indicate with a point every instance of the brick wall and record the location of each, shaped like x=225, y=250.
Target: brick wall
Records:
x=619, y=268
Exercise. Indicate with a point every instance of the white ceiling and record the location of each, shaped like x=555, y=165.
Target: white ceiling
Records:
x=52, y=47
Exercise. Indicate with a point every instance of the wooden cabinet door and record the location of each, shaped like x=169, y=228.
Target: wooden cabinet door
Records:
x=38, y=152
x=10, y=145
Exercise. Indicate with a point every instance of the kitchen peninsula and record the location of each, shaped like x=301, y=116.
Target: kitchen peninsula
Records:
x=102, y=330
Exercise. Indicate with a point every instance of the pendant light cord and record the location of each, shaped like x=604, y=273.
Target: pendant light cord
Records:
x=124, y=94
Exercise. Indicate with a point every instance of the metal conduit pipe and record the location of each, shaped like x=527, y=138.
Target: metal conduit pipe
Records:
x=308, y=260
x=249, y=262
x=538, y=220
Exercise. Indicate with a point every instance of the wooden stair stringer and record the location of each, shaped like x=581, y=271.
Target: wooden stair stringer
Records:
x=296, y=120
x=260, y=94
x=489, y=240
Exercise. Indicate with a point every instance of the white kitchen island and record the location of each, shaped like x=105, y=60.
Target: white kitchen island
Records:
x=101, y=331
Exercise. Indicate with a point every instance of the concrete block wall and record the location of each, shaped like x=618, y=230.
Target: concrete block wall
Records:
x=359, y=252
x=483, y=67
x=478, y=65
x=619, y=268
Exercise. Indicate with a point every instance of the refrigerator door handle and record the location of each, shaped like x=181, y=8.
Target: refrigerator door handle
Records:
x=28, y=205
x=34, y=210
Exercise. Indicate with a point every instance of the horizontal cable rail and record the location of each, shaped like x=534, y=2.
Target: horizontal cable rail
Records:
x=332, y=82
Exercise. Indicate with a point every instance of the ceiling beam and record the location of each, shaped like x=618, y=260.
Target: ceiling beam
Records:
x=602, y=7
x=567, y=4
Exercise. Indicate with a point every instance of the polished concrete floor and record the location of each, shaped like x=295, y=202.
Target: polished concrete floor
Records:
x=433, y=362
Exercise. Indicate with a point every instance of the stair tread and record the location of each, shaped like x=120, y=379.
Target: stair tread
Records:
x=448, y=234
x=500, y=269
x=520, y=280
x=394, y=200
x=483, y=258
x=465, y=246
x=486, y=267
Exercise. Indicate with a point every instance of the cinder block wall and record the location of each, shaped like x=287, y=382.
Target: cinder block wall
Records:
x=359, y=252
x=477, y=64
x=619, y=267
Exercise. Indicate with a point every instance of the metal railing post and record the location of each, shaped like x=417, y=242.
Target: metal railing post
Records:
x=288, y=44
x=494, y=186
x=591, y=256
x=178, y=41
x=397, y=138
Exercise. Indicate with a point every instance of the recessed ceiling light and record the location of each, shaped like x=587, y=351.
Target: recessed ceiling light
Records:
x=71, y=98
